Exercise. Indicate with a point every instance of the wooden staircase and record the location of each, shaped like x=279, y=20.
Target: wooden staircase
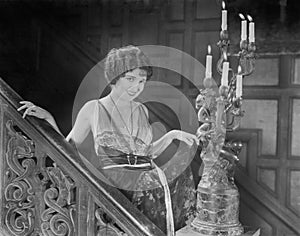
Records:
x=46, y=189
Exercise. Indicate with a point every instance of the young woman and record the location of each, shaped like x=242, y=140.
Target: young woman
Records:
x=123, y=142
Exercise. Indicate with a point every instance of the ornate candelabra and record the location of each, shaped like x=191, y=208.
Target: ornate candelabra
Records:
x=220, y=112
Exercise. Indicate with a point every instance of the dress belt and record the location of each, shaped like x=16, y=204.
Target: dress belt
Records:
x=129, y=161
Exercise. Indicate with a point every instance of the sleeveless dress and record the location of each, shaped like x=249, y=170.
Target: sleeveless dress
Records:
x=142, y=186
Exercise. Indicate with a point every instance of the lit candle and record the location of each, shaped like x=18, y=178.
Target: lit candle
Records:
x=208, y=73
x=244, y=27
x=239, y=83
x=224, y=80
x=251, y=30
x=224, y=17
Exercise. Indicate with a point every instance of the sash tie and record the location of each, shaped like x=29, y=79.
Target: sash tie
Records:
x=136, y=162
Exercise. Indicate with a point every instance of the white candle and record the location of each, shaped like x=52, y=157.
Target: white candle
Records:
x=243, y=27
x=224, y=17
x=251, y=32
x=239, y=83
x=224, y=80
x=208, y=72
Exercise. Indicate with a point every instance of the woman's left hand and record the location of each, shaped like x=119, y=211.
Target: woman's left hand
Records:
x=33, y=110
x=183, y=136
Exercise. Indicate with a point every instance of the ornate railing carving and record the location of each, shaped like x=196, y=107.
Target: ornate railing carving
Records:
x=19, y=186
x=30, y=183
x=58, y=218
x=46, y=189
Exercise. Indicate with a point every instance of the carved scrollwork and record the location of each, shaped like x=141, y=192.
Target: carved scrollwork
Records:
x=31, y=186
x=58, y=218
x=18, y=193
x=106, y=226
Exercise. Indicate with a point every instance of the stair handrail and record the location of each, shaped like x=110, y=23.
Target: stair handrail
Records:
x=66, y=157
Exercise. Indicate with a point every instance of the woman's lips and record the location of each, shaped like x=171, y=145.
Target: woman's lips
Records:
x=132, y=93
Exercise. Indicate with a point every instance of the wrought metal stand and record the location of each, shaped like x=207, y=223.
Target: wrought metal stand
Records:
x=220, y=112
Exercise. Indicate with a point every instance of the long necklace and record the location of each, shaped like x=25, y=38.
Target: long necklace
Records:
x=131, y=119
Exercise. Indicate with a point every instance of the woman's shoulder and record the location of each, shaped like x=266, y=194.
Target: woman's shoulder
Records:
x=138, y=105
x=141, y=106
x=90, y=104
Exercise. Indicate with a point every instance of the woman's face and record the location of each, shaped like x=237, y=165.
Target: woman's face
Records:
x=131, y=84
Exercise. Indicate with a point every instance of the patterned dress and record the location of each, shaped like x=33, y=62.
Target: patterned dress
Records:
x=142, y=186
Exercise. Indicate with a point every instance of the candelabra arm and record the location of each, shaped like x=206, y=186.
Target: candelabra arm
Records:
x=247, y=57
x=223, y=45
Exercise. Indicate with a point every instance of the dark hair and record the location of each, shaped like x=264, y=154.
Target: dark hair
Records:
x=148, y=70
x=119, y=61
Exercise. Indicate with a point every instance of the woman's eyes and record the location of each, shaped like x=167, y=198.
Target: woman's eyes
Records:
x=131, y=79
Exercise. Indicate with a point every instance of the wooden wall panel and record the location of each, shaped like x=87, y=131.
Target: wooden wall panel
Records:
x=262, y=114
x=176, y=10
x=266, y=73
x=206, y=9
x=273, y=111
x=294, y=190
x=296, y=77
x=268, y=178
x=175, y=39
x=143, y=29
x=295, y=147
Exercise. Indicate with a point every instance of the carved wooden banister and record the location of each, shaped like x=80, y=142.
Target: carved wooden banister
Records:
x=46, y=189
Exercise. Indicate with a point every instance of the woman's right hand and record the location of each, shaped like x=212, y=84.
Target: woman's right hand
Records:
x=183, y=136
x=33, y=110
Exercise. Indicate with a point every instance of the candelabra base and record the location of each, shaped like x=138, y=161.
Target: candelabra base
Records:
x=189, y=231
x=217, y=211
x=223, y=230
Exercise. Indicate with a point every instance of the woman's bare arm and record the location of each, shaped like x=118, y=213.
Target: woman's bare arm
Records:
x=82, y=124
x=161, y=144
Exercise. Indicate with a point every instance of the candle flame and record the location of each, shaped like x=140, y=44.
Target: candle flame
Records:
x=209, y=49
x=223, y=4
x=249, y=18
x=241, y=16
x=239, y=69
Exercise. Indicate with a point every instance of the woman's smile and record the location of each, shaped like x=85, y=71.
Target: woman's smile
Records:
x=132, y=94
